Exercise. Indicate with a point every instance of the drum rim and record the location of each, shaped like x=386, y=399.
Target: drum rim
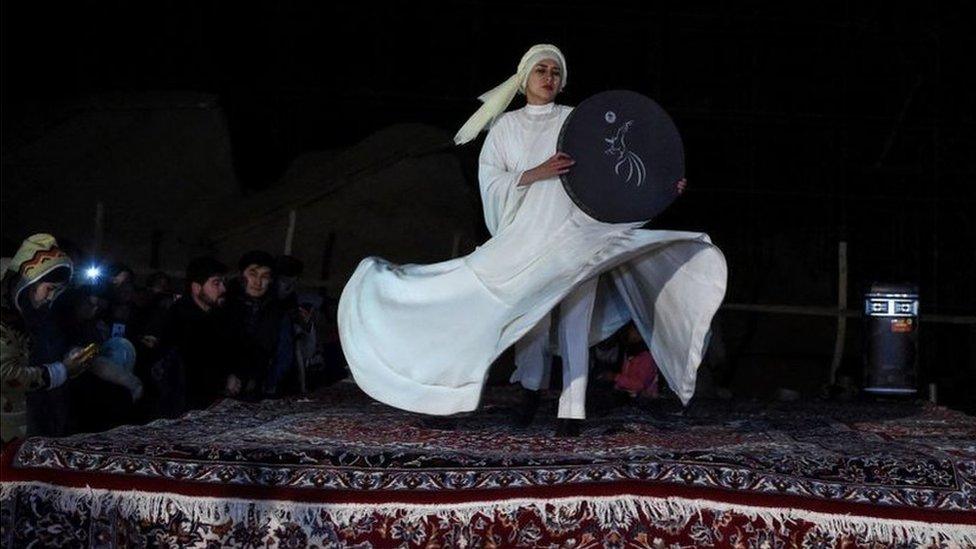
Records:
x=562, y=177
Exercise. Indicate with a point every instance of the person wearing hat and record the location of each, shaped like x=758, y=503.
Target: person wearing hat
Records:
x=541, y=76
x=33, y=357
x=519, y=152
x=288, y=270
x=106, y=395
x=265, y=330
x=120, y=291
x=421, y=337
x=304, y=312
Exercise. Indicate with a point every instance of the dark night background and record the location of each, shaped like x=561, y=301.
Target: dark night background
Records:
x=805, y=124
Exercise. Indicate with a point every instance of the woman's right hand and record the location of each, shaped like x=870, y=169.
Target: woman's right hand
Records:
x=557, y=165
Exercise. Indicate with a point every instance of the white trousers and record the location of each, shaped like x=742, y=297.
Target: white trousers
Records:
x=533, y=358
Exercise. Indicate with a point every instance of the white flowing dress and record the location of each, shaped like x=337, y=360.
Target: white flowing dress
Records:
x=422, y=337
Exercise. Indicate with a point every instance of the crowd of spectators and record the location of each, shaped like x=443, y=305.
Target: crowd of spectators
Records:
x=85, y=350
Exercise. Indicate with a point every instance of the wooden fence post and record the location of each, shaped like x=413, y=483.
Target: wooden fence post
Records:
x=290, y=235
x=841, y=311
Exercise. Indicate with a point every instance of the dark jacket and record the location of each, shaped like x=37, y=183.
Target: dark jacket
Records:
x=266, y=336
x=198, y=353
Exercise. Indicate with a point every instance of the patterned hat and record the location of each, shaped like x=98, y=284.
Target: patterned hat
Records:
x=38, y=256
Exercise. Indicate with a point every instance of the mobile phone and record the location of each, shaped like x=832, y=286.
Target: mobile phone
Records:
x=88, y=352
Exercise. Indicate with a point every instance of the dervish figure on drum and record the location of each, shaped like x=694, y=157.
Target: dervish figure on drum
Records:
x=422, y=337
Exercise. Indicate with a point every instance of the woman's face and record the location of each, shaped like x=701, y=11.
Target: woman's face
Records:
x=43, y=293
x=544, y=82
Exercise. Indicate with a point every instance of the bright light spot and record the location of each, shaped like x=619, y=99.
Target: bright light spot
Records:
x=93, y=272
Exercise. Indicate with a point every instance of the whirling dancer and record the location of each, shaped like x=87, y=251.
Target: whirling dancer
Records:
x=421, y=337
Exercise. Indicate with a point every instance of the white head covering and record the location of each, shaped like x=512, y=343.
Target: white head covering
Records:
x=497, y=100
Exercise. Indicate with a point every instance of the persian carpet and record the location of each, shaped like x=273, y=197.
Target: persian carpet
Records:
x=342, y=470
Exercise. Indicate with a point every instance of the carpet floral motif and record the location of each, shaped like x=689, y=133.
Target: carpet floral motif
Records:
x=906, y=455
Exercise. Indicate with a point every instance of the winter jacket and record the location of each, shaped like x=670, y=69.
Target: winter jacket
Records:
x=25, y=368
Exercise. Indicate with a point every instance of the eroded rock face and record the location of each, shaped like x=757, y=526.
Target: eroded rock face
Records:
x=163, y=163
x=148, y=157
x=400, y=193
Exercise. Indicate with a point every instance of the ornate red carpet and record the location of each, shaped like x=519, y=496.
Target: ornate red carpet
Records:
x=340, y=469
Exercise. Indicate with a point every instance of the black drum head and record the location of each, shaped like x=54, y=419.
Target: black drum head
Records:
x=628, y=154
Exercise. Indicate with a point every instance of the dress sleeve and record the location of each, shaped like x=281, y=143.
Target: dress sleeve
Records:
x=500, y=194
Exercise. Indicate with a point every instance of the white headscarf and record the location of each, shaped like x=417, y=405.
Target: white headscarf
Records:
x=497, y=99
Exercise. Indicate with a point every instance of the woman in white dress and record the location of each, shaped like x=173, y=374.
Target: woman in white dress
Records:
x=421, y=337
x=517, y=140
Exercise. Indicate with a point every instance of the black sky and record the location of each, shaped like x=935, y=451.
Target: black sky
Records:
x=297, y=76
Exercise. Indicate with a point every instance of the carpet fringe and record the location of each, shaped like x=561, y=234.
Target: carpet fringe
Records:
x=611, y=512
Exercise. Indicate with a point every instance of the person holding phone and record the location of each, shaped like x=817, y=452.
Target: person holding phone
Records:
x=32, y=358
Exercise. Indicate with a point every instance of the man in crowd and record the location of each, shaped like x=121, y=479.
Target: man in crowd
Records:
x=155, y=299
x=200, y=357
x=303, y=311
x=106, y=395
x=35, y=359
x=120, y=291
x=288, y=271
x=263, y=326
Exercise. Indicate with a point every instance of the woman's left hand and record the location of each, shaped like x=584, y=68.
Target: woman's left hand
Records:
x=681, y=185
